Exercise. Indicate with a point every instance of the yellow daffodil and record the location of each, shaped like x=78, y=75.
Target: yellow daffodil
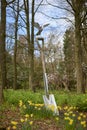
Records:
x=14, y=127
x=70, y=108
x=84, y=125
x=22, y=120
x=73, y=115
x=31, y=115
x=70, y=112
x=84, y=116
x=81, y=114
x=14, y=122
x=79, y=118
x=39, y=108
x=66, y=118
x=20, y=103
x=66, y=114
x=57, y=118
x=31, y=122
x=30, y=103
x=26, y=119
x=66, y=107
x=74, y=108
x=35, y=107
x=41, y=105
x=70, y=122
x=83, y=122
x=26, y=115
x=24, y=106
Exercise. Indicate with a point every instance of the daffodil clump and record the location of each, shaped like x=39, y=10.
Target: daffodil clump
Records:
x=70, y=119
x=38, y=109
x=25, y=123
x=73, y=119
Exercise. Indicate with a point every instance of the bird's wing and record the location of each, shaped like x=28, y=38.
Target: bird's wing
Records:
x=37, y=25
x=45, y=25
x=39, y=32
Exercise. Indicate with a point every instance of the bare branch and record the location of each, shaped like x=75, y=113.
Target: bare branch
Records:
x=19, y=14
x=68, y=1
x=38, y=7
x=22, y=18
x=84, y=18
x=65, y=18
x=56, y=6
x=8, y=3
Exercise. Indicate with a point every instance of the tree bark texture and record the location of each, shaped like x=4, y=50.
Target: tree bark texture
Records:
x=2, y=48
x=78, y=52
x=26, y=8
x=32, y=48
x=15, y=46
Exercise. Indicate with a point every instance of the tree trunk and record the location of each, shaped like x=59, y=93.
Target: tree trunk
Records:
x=77, y=7
x=78, y=54
x=3, y=35
x=1, y=87
x=2, y=48
x=26, y=7
x=32, y=48
x=15, y=47
x=84, y=36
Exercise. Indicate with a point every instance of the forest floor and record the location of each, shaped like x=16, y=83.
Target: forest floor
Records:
x=6, y=116
x=72, y=108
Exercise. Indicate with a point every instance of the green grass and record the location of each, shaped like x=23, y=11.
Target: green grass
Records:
x=13, y=96
x=62, y=98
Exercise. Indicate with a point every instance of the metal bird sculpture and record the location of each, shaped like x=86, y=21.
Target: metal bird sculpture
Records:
x=40, y=28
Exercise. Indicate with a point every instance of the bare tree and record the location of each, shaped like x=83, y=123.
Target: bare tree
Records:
x=32, y=47
x=26, y=9
x=2, y=46
x=15, y=46
x=76, y=8
x=30, y=36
